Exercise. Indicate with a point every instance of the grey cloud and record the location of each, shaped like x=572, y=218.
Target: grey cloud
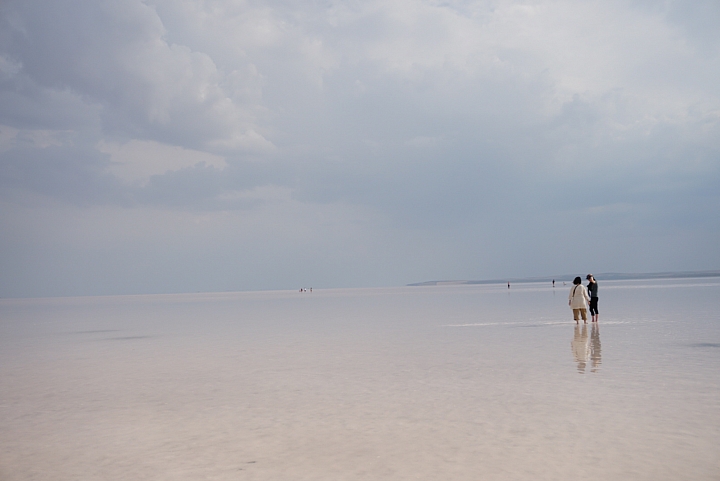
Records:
x=194, y=186
x=423, y=130
x=26, y=105
x=75, y=175
x=113, y=55
x=699, y=20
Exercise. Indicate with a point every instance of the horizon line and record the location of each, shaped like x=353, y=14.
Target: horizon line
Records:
x=611, y=276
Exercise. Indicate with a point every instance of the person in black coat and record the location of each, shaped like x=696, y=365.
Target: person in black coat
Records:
x=592, y=288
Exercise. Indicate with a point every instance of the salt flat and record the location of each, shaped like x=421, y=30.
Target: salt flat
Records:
x=444, y=382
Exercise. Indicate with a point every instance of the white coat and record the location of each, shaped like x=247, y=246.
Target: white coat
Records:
x=579, y=297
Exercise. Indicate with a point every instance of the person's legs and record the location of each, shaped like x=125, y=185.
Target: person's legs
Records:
x=597, y=312
x=576, y=315
x=594, y=309
x=583, y=313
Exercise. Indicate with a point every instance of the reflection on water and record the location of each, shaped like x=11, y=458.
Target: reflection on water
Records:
x=433, y=383
x=580, y=347
x=585, y=350
x=595, y=348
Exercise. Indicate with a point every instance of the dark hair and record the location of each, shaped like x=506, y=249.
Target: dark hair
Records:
x=577, y=280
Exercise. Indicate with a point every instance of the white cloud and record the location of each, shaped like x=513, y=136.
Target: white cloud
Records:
x=136, y=161
x=249, y=141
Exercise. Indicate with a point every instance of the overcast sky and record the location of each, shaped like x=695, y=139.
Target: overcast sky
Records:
x=209, y=145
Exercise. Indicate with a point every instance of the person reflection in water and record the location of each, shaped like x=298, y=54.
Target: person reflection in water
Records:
x=580, y=348
x=595, y=348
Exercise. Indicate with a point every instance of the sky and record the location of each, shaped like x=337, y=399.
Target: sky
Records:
x=219, y=145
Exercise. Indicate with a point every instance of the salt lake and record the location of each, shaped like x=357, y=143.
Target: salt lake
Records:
x=456, y=382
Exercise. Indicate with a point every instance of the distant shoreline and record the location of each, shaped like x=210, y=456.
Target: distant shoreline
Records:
x=608, y=276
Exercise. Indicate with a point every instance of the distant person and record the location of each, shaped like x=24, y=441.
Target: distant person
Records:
x=553, y=282
x=508, y=285
x=578, y=300
x=592, y=288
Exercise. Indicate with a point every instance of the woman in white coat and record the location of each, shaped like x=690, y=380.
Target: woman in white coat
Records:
x=578, y=300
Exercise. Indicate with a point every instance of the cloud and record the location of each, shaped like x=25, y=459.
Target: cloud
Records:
x=115, y=57
x=136, y=161
x=424, y=129
x=74, y=175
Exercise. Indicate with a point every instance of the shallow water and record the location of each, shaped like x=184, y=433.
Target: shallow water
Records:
x=443, y=382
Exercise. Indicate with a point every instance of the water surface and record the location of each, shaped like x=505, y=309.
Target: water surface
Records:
x=439, y=382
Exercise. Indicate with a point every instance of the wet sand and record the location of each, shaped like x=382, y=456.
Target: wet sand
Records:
x=446, y=382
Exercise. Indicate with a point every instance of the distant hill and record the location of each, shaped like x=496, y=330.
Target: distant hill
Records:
x=607, y=276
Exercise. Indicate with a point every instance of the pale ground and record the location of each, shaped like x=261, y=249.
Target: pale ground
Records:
x=432, y=383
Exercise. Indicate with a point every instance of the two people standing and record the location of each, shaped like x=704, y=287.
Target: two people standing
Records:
x=580, y=296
